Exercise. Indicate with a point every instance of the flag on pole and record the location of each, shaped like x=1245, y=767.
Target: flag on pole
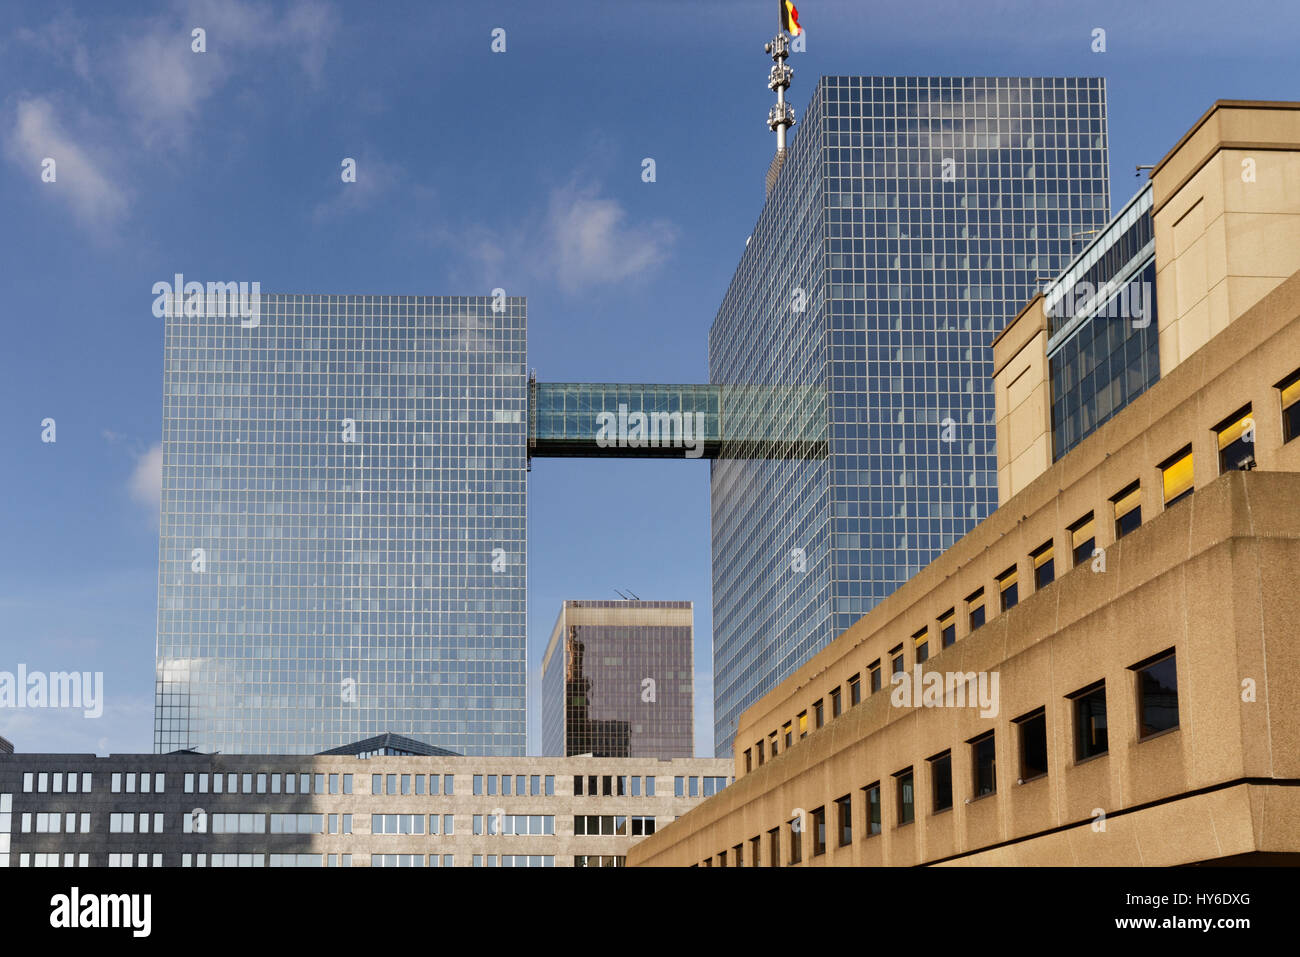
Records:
x=790, y=18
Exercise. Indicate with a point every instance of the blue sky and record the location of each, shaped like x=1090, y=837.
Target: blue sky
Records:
x=476, y=170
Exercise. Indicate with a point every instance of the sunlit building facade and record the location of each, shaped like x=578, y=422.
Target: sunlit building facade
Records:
x=342, y=548
x=912, y=216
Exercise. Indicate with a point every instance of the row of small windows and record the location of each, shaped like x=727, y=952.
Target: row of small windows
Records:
x=257, y=783
x=612, y=785
x=514, y=860
x=57, y=781
x=637, y=825
x=698, y=786
x=411, y=784
x=1235, y=437
x=1156, y=689
x=502, y=784
x=190, y=860
x=513, y=824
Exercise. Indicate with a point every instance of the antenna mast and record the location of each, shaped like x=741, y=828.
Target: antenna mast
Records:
x=781, y=116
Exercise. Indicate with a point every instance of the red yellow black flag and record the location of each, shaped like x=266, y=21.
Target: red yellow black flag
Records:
x=790, y=18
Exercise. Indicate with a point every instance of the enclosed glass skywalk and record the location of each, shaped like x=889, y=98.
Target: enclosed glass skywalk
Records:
x=593, y=419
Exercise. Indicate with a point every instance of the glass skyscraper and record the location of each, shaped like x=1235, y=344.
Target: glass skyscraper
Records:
x=618, y=680
x=910, y=221
x=342, y=550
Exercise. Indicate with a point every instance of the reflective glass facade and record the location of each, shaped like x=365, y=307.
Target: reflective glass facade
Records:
x=1103, y=351
x=908, y=224
x=342, y=549
x=618, y=680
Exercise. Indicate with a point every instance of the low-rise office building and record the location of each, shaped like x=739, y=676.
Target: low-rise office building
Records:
x=1104, y=670
x=386, y=810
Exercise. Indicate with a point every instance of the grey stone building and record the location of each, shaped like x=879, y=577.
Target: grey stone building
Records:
x=386, y=810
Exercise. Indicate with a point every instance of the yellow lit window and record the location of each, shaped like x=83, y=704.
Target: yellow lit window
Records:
x=921, y=642
x=1083, y=537
x=1010, y=593
x=1044, y=567
x=1128, y=510
x=948, y=627
x=803, y=724
x=1236, y=436
x=1290, y=389
x=1233, y=432
x=1177, y=476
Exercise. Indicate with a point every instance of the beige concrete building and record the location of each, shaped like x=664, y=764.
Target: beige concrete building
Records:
x=1105, y=670
x=374, y=810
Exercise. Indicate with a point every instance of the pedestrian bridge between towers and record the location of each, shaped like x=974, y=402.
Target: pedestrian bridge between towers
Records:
x=595, y=420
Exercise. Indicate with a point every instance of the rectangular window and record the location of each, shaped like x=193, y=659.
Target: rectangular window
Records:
x=873, y=676
x=1083, y=539
x=1128, y=510
x=478, y=784
x=492, y=785
x=941, y=781
x=1044, y=566
x=948, y=627
x=755, y=846
x=1008, y=590
x=795, y=828
x=774, y=847
x=449, y=785
x=921, y=643
x=771, y=744
x=844, y=819
x=749, y=760
x=1177, y=476
x=984, y=761
x=390, y=784
x=535, y=785
x=819, y=831
x=819, y=714
x=906, y=803
x=1089, y=721
x=803, y=724
x=679, y=787
x=577, y=785
x=787, y=735
x=975, y=609
x=759, y=748
x=347, y=784
x=1157, y=688
x=855, y=690
x=1290, y=390
x=835, y=703
x=1033, y=744
x=896, y=660
x=1236, y=436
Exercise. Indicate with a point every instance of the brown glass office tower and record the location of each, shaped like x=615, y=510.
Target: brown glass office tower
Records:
x=617, y=680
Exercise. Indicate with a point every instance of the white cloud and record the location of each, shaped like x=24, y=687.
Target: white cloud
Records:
x=162, y=82
x=79, y=180
x=591, y=241
x=61, y=40
x=146, y=480
x=374, y=178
